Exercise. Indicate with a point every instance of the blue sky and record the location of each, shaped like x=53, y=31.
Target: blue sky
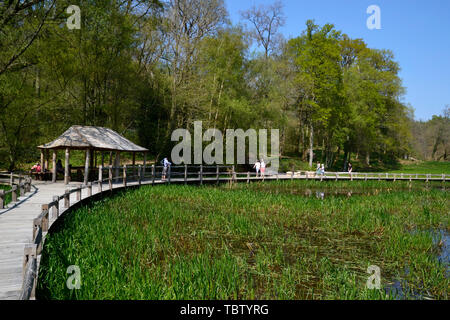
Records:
x=418, y=32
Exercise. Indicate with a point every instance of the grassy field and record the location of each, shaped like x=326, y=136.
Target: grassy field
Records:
x=434, y=167
x=257, y=241
x=8, y=196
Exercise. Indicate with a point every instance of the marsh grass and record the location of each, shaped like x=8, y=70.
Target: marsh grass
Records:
x=256, y=241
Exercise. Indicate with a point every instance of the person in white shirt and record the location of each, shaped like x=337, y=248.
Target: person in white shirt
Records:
x=257, y=166
x=166, y=164
x=317, y=169
x=263, y=167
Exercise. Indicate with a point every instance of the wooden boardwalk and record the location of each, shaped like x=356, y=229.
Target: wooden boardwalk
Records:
x=17, y=221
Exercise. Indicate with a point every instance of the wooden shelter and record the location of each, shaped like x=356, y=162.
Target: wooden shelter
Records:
x=90, y=139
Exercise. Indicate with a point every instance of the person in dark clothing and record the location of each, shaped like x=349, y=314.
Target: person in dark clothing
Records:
x=59, y=167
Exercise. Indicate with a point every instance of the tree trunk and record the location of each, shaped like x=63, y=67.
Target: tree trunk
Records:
x=311, y=145
x=345, y=159
x=301, y=145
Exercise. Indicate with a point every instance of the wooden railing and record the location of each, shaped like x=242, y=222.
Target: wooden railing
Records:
x=20, y=185
x=122, y=177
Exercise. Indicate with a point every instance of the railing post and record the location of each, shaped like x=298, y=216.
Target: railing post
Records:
x=67, y=199
x=379, y=177
x=248, y=177
x=185, y=174
x=29, y=273
x=217, y=173
x=45, y=224
x=232, y=173
x=427, y=177
x=2, y=198
x=153, y=174
x=89, y=188
x=37, y=222
x=336, y=176
x=14, y=193
x=139, y=174
x=21, y=188
x=11, y=179
x=78, y=192
x=29, y=253
x=125, y=175
x=201, y=174
x=110, y=177
x=365, y=178
x=395, y=177
x=292, y=174
x=387, y=175
x=170, y=173
x=56, y=207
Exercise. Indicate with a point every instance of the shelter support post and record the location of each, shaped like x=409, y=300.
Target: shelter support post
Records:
x=42, y=160
x=117, y=165
x=134, y=164
x=67, y=164
x=86, y=166
x=145, y=163
x=54, y=167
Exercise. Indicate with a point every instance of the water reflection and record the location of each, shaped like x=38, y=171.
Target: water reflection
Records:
x=400, y=289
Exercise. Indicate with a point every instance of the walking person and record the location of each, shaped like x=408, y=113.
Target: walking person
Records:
x=257, y=166
x=166, y=164
x=263, y=167
x=322, y=169
x=317, y=169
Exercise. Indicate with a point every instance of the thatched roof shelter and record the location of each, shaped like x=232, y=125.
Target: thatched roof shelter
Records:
x=98, y=138
x=90, y=139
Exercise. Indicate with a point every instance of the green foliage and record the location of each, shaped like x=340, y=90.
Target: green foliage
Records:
x=257, y=241
x=151, y=67
x=8, y=197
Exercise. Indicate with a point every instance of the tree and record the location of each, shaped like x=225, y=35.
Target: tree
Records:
x=31, y=16
x=316, y=55
x=266, y=22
